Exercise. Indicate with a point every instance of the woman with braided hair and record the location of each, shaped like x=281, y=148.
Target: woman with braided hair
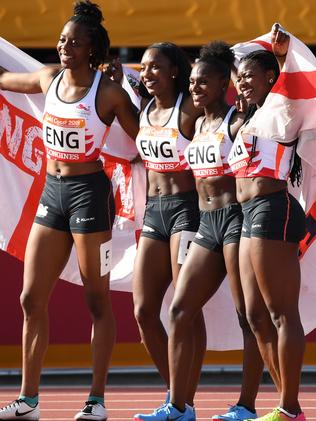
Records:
x=273, y=225
x=76, y=207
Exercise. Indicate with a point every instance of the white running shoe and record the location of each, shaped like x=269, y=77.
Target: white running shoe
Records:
x=92, y=411
x=19, y=409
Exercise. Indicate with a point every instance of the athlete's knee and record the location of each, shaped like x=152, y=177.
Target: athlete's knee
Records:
x=178, y=315
x=98, y=304
x=32, y=305
x=145, y=314
x=281, y=319
x=260, y=323
x=243, y=321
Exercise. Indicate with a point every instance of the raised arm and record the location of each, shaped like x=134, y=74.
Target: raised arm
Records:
x=280, y=41
x=27, y=83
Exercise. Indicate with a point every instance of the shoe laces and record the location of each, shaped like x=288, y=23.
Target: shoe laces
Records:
x=89, y=406
x=13, y=404
x=160, y=408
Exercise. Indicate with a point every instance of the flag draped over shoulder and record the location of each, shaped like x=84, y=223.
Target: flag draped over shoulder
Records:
x=289, y=113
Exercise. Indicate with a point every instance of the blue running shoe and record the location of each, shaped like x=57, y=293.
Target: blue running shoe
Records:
x=167, y=412
x=153, y=414
x=236, y=413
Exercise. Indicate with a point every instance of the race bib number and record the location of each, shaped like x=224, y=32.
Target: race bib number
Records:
x=185, y=242
x=105, y=257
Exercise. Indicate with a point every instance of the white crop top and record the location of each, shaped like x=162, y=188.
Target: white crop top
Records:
x=162, y=147
x=268, y=159
x=73, y=131
x=208, y=152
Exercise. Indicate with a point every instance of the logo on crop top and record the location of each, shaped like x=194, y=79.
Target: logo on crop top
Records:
x=83, y=109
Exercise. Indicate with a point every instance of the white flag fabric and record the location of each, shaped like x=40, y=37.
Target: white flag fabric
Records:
x=289, y=113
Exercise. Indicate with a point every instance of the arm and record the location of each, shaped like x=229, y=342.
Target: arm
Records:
x=280, y=41
x=189, y=114
x=26, y=83
x=125, y=111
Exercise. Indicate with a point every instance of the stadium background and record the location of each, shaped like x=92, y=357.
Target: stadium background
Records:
x=132, y=24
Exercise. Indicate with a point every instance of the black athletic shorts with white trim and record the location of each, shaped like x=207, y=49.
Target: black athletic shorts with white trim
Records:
x=78, y=204
x=169, y=214
x=276, y=216
x=219, y=227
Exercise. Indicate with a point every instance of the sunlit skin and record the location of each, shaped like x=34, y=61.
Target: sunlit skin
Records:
x=74, y=46
x=48, y=249
x=157, y=73
x=253, y=82
x=271, y=289
x=208, y=90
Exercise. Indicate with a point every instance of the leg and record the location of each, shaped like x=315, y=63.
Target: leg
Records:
x=47, y=252
x=199, y=279
x=257, y=315
x=152, y=276
x=98, y=299
x=252, y=361
x=280, y=285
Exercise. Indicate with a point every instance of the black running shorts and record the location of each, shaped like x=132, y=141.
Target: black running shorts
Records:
x=276, y=216
x=219, y=227
x=166, y=215
x=79, y=204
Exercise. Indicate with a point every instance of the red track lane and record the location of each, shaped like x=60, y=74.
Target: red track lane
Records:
x=61, y=404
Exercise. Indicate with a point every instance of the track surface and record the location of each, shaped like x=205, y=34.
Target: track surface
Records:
x=61, y=404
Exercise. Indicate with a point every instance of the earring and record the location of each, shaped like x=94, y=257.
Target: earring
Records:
x=271, y=81
x=173, y=76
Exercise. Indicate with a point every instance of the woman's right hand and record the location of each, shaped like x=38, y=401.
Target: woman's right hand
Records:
x=280, y=40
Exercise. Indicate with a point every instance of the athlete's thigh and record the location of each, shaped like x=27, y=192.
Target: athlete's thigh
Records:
x=174, y=255
x=94, y=259
x=231, y=255
x=200, y=277
x=152, y=272
x=179, y=247
x=251, y=292
x=277, y=271
x=46, y=255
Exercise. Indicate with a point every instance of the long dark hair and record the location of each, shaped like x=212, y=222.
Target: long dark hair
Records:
x=177, y=58
x=90, y=15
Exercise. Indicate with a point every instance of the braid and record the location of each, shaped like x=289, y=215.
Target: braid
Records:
x=90, y=15
x=252, y=108
x=296, y=171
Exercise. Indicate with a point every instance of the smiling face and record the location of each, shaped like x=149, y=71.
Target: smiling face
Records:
x=157, y=72
x=74, y=46
x=254, y=82
x=206, y=85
